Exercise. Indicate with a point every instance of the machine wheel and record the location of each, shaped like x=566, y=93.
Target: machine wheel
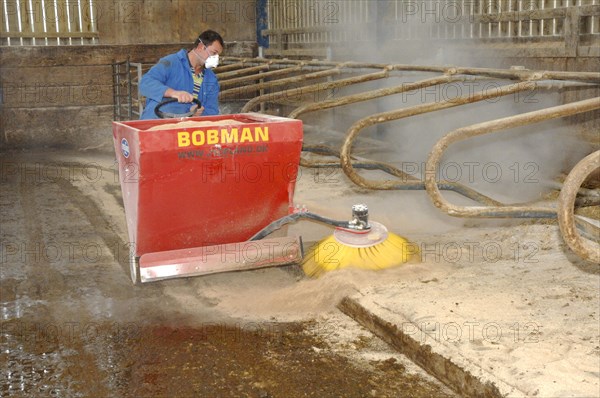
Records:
x=164, y=115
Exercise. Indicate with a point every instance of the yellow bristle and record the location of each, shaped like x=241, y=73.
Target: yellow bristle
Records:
x=329, y=254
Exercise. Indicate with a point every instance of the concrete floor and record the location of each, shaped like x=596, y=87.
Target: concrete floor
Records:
x=73, y=324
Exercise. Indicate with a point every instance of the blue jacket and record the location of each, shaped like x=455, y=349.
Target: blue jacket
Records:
x=174, y=71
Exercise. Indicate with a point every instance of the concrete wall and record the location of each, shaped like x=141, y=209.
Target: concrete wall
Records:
x=62, y=95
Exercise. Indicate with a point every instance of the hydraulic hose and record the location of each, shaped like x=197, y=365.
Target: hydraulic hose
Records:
x=291, y=218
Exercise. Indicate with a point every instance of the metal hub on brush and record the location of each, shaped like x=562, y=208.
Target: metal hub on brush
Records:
x=361, y=233
x=376, y=234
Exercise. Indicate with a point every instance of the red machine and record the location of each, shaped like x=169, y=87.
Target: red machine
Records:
x=195, y=190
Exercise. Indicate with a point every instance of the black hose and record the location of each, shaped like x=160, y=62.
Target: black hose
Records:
x=275, y=225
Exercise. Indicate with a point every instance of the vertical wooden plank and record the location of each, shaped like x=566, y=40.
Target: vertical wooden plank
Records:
x=33, y=14
x=66, y=21
x=25, y=18
x=42, y=17
x=9, y=21
x=21, y=18
x=57, y=18
x=572, y=28
x=158, y=21
x=131, y=16
x=91, y=12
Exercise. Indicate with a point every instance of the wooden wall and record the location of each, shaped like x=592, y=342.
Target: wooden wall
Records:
x=173, y=21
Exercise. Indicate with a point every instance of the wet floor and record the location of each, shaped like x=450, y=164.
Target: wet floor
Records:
x=106, y=360
x=73, y=325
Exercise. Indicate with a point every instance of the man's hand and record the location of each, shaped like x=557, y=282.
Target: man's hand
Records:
x=198, y=111
x=182, y=96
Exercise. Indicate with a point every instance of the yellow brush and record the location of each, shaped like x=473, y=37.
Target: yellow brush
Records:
x=357, y=243
x=373, y=249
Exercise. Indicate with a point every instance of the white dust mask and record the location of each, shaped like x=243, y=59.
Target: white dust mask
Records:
x=212, y=61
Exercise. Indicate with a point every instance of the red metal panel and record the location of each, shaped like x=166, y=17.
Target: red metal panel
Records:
x=220, y=183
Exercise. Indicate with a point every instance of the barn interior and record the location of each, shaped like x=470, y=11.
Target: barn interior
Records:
x=471, y=128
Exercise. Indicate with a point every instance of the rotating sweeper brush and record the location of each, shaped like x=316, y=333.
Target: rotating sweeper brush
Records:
x=358, y=243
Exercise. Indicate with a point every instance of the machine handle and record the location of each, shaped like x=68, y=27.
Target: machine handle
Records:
x=164, y=115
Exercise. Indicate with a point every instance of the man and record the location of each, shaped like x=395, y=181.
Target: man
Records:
x=185, y=75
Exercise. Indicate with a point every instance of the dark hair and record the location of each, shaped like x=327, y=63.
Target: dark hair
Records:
x=208, y=37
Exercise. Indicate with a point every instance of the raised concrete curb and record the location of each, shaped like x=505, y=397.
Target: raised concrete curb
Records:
x=455, y=371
